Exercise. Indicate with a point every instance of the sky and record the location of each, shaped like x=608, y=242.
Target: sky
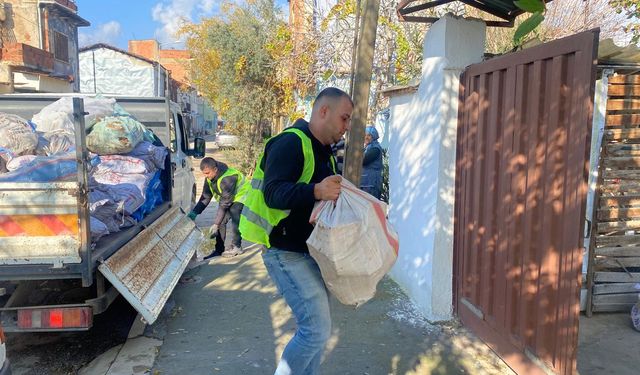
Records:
x=115, y=22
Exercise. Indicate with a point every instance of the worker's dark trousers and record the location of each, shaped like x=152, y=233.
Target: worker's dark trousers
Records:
x=229, y=237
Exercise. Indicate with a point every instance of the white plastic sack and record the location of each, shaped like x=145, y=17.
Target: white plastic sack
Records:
x=353, y=244
x=53, y=143
x=17, y=135
x=122, y=164
x=58, y=116
x=19, y=161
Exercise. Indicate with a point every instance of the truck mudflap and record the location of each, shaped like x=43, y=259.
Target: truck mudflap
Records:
x=146, y=269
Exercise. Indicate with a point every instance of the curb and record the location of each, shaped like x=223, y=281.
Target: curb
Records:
x=135, y=356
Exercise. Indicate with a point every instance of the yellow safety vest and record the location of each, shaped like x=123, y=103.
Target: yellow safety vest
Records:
x=241, y=188
x=257, y=219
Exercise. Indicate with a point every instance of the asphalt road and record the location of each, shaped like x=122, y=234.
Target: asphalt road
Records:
x=61, y=353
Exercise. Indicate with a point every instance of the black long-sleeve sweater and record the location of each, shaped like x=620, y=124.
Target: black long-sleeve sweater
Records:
x=282, y=164
x=227, y=195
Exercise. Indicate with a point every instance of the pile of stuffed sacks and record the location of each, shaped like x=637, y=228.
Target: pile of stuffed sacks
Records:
x=124, y=168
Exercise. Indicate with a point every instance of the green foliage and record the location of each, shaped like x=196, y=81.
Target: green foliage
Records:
x=240, y=65
x=531, y=6
x=537, y=7
x=527, y=26
x=398, y=49
x=631, y=9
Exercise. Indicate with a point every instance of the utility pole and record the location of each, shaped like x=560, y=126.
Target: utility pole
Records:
x=361, y=88
x=356, y=30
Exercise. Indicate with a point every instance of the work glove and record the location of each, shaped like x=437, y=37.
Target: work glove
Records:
x=213, y=231
x=192, y=215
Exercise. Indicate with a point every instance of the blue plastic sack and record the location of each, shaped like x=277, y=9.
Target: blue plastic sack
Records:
x=153, y=197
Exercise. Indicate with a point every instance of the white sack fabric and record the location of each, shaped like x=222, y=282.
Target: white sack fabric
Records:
x=17, y=135
x=353, y=243
x=58, y=116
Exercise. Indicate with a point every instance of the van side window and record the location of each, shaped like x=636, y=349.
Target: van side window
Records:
x=185, y=139
x=172, y=134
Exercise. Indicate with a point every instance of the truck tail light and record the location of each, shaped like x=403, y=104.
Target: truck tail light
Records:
x=55, y=318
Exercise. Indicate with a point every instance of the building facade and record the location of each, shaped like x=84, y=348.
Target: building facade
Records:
x=39, y=46
x=177, y=63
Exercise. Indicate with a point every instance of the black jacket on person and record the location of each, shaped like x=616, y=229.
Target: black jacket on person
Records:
x=228, y=193
x=282, y=164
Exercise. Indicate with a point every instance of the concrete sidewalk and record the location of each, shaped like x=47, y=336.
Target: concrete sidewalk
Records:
x=226, y=317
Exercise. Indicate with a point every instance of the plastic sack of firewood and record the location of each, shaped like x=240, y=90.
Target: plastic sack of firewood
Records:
x=353, y=244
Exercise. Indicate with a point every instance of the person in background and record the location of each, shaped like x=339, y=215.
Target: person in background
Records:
x=371, y=180
x=228, y=187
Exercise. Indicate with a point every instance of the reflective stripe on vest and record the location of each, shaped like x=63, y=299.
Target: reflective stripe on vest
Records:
x=257, y=219
x=241, y=188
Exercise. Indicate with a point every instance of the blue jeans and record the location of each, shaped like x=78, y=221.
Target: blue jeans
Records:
x=299, y=281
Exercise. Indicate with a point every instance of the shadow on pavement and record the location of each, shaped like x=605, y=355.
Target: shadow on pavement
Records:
x=228, y=318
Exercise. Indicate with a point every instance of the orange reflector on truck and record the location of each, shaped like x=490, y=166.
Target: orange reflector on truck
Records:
x=38, y=225
x=56, y=318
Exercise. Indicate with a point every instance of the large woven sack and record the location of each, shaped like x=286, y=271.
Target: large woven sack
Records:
x=58, y=116
x=115, y=135
x=17, y=135
x=353, y=244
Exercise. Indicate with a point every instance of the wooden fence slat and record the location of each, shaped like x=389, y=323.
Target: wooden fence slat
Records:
x=616, y=298
x=622, y=149
x=623, y=90
x=622, y=200
x=612, y=307
x=622, y=120
x=617, y=226
x=616, y=277
x=618, y=262
x=615, y=288
x=626, y=174
x=621, y=162
x=625, y=79
x=609, y=187
x=619, y=134
x=623, y=104
x=610, y=241
x=629, y=251
x=618, y=213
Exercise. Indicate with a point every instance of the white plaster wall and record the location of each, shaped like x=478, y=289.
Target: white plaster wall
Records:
x=422, y=165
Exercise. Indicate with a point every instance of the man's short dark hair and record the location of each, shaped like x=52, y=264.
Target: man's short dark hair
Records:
x=208, y=162
x=332, y=93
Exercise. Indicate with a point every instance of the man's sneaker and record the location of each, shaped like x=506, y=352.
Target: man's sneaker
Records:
x=232, y=252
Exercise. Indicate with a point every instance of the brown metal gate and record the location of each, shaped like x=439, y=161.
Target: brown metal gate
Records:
x=522, y=154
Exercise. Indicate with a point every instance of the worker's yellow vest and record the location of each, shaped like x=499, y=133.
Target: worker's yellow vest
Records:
x=257, y=219
x=241, y=189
